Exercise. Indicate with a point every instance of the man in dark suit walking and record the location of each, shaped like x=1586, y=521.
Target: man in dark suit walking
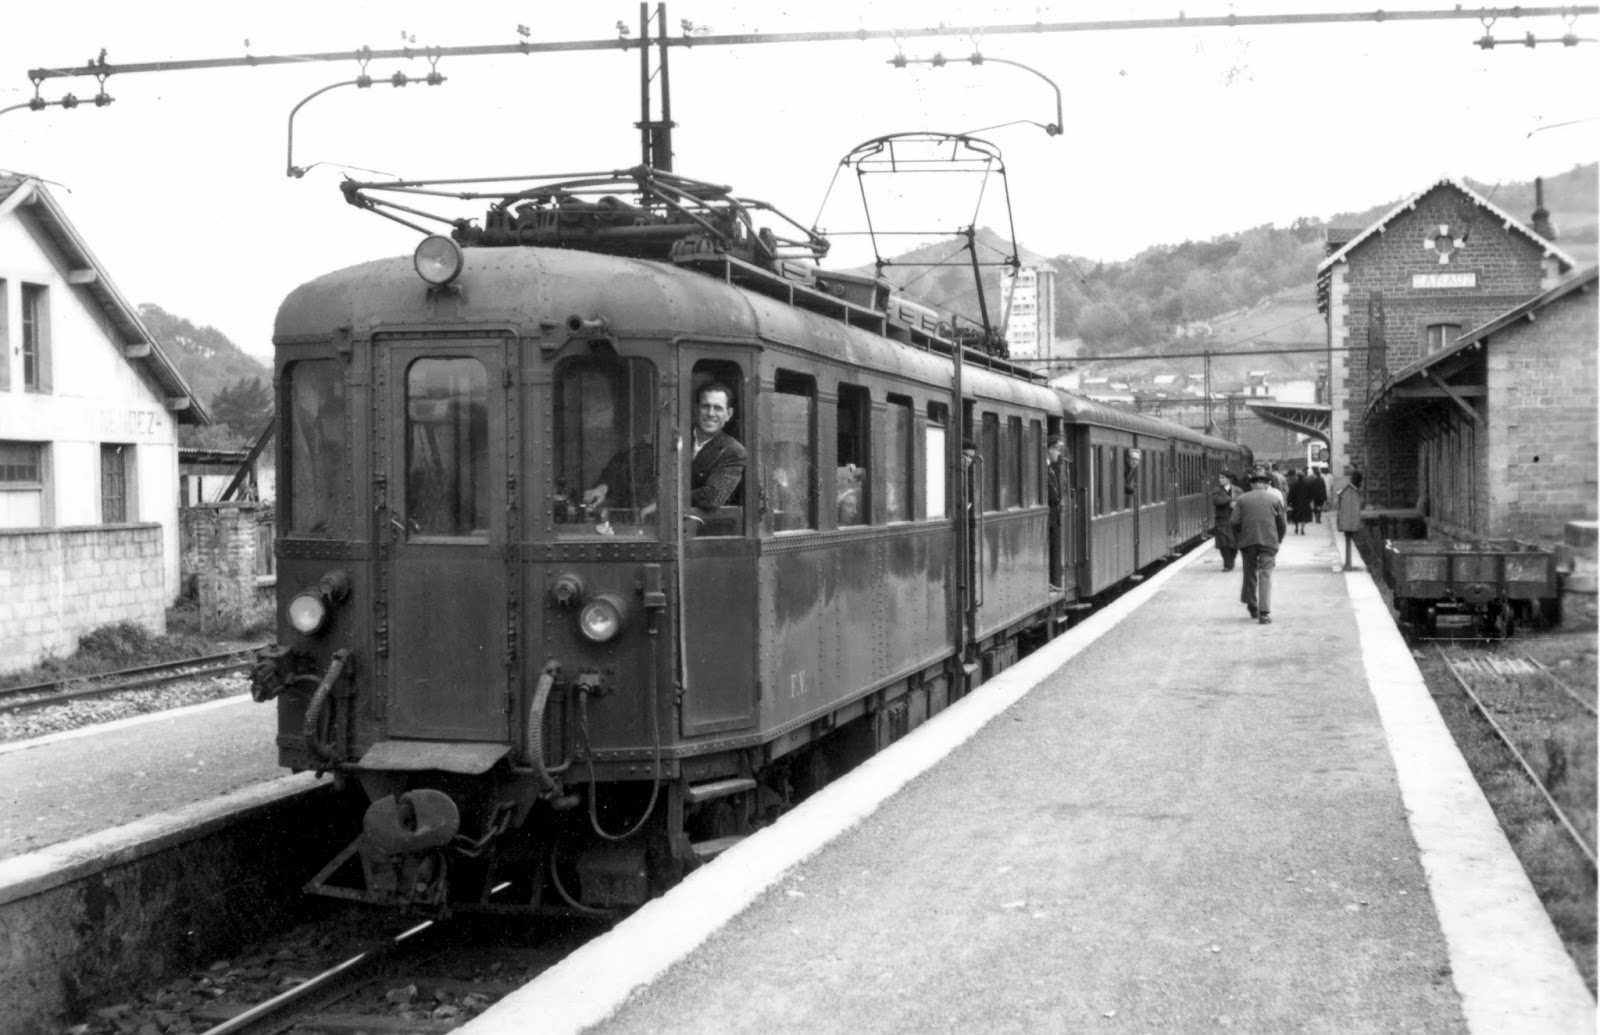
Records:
x=1259, y=525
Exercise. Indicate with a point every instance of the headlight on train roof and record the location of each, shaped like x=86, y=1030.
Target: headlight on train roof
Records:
x=308, y=612
x=438, y=260
x=602, y=618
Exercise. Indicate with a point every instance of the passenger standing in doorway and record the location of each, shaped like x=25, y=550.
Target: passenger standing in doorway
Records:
x=1222, y=497
x=1259, y=526
x=1053, y=496
x=718, y=464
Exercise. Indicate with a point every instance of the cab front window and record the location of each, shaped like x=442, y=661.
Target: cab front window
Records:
x=318, y=453
x=447, y=448
x=607, y=470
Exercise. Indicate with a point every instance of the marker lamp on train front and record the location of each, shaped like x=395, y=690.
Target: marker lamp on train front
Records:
x=438, y=260
x=308, y=612
x=602, y=618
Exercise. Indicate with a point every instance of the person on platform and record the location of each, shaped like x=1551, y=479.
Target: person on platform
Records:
x=1299, y=503
x=1319, y=494
x=1053, y=497
x=1259, y=526
x=1222, y=496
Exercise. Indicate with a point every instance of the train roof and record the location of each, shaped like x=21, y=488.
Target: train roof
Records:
x=537, y=289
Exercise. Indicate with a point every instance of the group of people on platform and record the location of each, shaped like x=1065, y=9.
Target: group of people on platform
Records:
x=1251, y=519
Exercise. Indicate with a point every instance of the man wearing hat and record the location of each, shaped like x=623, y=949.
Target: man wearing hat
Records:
x=1259, y=525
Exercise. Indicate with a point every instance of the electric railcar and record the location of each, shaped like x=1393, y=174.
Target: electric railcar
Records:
x=552, y=706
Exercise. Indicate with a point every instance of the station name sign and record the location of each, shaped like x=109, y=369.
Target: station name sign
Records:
x=1444, y=280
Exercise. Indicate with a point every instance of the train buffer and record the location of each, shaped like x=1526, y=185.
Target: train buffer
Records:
x=1172, y=818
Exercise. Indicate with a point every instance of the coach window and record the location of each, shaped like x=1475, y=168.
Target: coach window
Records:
x=447, y=448
x=1033, y=464
x=989, y=450
x=317, y=449
x=1011, y=485
x=935, y=457
x=789, y=450
x=899, y=444
x=603, y=416
x=852, y=495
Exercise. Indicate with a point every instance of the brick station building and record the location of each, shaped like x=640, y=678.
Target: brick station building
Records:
x=1419, y=307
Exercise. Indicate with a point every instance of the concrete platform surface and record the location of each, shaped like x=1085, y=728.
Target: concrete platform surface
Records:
x=72, y=785
x=1192, y=822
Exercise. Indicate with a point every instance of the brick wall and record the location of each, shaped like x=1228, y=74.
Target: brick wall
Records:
x=1509, y=269
x=219, y=556
x=1541, y=467
x=58, y=583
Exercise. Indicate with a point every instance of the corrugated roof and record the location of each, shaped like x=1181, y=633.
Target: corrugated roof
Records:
x=1481, y=333
x=27, y=195
x=1325, y=268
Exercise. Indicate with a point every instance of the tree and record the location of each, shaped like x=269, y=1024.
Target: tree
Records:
x=244, y=406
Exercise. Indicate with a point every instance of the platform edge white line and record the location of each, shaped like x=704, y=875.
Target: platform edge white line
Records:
x=1508, y=965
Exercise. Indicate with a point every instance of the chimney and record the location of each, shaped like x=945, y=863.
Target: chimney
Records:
x=1541, y=216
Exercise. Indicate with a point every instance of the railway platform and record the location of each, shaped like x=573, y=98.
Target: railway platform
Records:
x=1169, y=819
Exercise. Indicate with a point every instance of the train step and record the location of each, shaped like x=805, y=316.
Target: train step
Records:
x=706, y=851
x=718, y=789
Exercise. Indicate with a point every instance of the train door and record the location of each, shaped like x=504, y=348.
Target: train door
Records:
x=719, y=592
x=439, y=466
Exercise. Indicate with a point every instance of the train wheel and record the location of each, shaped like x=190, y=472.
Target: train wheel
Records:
x=1499, y=622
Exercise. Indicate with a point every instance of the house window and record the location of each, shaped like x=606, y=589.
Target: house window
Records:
x=852, y=499
x=1439, y=336
x=115, y=465
x=35, y=338
x=21, y=485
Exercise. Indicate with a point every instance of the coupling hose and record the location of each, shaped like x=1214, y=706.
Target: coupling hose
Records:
x=320, y=749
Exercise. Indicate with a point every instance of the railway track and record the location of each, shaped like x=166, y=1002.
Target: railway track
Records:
x=1531, y=711
x=42, y=695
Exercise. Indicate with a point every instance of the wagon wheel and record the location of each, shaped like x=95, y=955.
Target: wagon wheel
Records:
x=1500, y=622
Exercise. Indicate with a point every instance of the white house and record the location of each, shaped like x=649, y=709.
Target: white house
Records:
x=89, y=416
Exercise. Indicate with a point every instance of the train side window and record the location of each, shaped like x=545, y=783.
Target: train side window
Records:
x=447, y=447
x=853, y=498
x=318, y=450
x=605, y=448
x=789, y=450
x=935, y=456
x=1011, y=484
x=990, y=451
x=1033, y=466
x=899, y=444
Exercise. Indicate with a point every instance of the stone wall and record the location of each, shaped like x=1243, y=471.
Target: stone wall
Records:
x=219, y=559
x=58, y=583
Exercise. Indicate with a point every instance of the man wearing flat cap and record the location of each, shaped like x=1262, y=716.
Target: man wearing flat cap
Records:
x=1259, y=524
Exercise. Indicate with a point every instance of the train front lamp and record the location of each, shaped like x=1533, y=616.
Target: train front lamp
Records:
x=603, y=617
x=438, y=260
x=308, y=612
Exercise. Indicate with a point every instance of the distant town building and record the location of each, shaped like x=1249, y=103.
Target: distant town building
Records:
x=89, y=416
x=1027, y=301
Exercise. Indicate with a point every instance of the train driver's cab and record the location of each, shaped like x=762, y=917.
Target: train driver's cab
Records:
x=605, y=447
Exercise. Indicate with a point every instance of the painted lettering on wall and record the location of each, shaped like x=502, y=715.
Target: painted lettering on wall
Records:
x=121, y=423
x=1444, y=280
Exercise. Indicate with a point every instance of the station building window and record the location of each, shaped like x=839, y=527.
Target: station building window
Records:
x=22, y=477
x=316, y=449
x=789, y=451
x=899, y=459
x=603, y=418
x=1438, y=336
x=116, y=483
x=852, y=498
x=934, y=446
x=35, y=338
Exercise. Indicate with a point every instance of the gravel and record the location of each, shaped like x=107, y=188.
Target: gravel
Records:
x=70, y=715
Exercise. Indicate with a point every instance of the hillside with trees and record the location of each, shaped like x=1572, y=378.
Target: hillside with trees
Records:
x=1198, y=290
x=234, y=387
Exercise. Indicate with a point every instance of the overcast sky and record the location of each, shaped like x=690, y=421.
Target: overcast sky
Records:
x=179, y=185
